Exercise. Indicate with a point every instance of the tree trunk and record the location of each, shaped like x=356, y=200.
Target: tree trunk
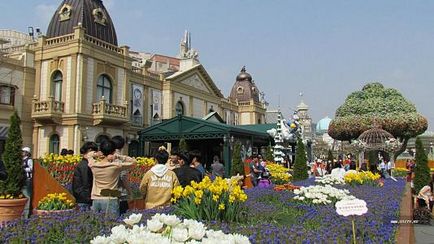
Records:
x=402, y=149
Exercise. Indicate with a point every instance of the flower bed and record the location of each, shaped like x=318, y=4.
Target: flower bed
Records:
x=162, y=228
x=353, y=177
x=62, y=168
x=273, y=217
x=329, y=180
x=279, y=175
x=321, y=194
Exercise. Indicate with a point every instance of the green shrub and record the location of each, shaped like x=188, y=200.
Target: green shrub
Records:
x=300, y=166
x=421, y=171
x=13, y=160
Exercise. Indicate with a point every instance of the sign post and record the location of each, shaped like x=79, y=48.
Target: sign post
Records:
x=351, y=208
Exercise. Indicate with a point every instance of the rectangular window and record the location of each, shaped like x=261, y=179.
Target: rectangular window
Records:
x=7, y=95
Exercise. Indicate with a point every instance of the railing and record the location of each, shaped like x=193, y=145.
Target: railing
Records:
x=244, y=103
x=103, y=44
x=48, y=107
x=136, y=69
x=103, y=108
x=60, y=39
x=19, y=48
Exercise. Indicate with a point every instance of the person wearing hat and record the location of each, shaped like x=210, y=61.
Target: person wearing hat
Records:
x=28, y=169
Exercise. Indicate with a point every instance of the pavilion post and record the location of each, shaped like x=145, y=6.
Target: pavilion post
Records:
x=227, y=157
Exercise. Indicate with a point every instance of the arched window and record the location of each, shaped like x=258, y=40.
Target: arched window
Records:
x=101, y=138
x=54, y=144
x=7, y=95
x=179, y=108
x=104, y=88
x=56, y=86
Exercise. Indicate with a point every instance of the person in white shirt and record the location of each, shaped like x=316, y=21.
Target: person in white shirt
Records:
x=338, y=171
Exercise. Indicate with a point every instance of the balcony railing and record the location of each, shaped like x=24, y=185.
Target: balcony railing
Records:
x=47, y=111
x=106, y=113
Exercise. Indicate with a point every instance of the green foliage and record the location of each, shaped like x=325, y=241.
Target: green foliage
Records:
x=330, y=156
x=300, y=166
x=183, y=146
x=237, y=163
x=269, y=154
x=13, y=161
x=376, y=104
x=421, y=171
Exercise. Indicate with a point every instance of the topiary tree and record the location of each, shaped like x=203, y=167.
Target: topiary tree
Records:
x=269, y=154
x=13, y=160
x=237, y=163
x=182, y=146
x=375, y=104
x=300, y=166
x=421, y=171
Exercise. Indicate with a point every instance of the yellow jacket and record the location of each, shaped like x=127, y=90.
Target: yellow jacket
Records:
x=157, y=185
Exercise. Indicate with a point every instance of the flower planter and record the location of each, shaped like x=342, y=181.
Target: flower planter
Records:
x=136, y=204
x=47, y=213
x=11, y=209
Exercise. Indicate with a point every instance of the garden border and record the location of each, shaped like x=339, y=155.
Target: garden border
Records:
x=405, y=232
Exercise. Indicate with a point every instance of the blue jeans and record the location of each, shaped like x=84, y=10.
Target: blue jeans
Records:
x=28, y=192
x=109, y=206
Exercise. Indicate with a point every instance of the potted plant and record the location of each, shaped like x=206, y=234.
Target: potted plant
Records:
x=54, y=203
x=12, y=201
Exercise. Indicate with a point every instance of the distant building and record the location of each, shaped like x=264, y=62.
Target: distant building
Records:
x=77, y=84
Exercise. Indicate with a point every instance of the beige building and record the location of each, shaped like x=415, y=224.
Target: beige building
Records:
x=87, y=87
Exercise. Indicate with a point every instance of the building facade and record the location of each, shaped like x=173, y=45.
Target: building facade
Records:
x=79, y=85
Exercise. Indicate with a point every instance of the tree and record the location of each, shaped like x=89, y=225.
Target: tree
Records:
x=421, y=171
x=300, y=166
x=385, y=107
x=330, y=156
x=237, y=163
x=13, y=160
x=269, y=154
x=183, y=147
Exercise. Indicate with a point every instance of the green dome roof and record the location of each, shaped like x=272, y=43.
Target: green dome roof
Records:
x=323, y=125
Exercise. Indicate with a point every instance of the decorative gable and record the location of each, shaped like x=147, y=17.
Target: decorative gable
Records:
x=196, y=82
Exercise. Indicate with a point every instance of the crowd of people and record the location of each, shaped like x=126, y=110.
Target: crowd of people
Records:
x=100, y=180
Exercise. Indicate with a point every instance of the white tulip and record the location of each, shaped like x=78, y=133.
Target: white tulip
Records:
x=154, y=225
x=180, y=235
x=133, y=219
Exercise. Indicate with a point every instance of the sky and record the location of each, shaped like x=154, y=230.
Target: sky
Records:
x=324, y=49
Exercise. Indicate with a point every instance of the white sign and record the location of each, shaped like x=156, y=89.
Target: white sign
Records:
x=351, y=207
x=137, y=97
x=156, y=104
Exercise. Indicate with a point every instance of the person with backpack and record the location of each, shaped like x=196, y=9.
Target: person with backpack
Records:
x=83, y=179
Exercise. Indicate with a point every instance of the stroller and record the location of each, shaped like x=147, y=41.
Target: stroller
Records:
x=264, y=178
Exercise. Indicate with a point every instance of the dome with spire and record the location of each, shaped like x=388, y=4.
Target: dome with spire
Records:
x=244, y=88
x=302, y=106
x=90, y=14
x=323, y=125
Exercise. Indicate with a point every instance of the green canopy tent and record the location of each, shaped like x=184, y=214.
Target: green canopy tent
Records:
x=203, y=135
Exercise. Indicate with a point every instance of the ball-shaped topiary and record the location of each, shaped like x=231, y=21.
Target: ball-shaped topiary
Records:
x=375, y=104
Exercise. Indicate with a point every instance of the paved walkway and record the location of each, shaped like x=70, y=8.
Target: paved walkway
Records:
x=424, y=234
